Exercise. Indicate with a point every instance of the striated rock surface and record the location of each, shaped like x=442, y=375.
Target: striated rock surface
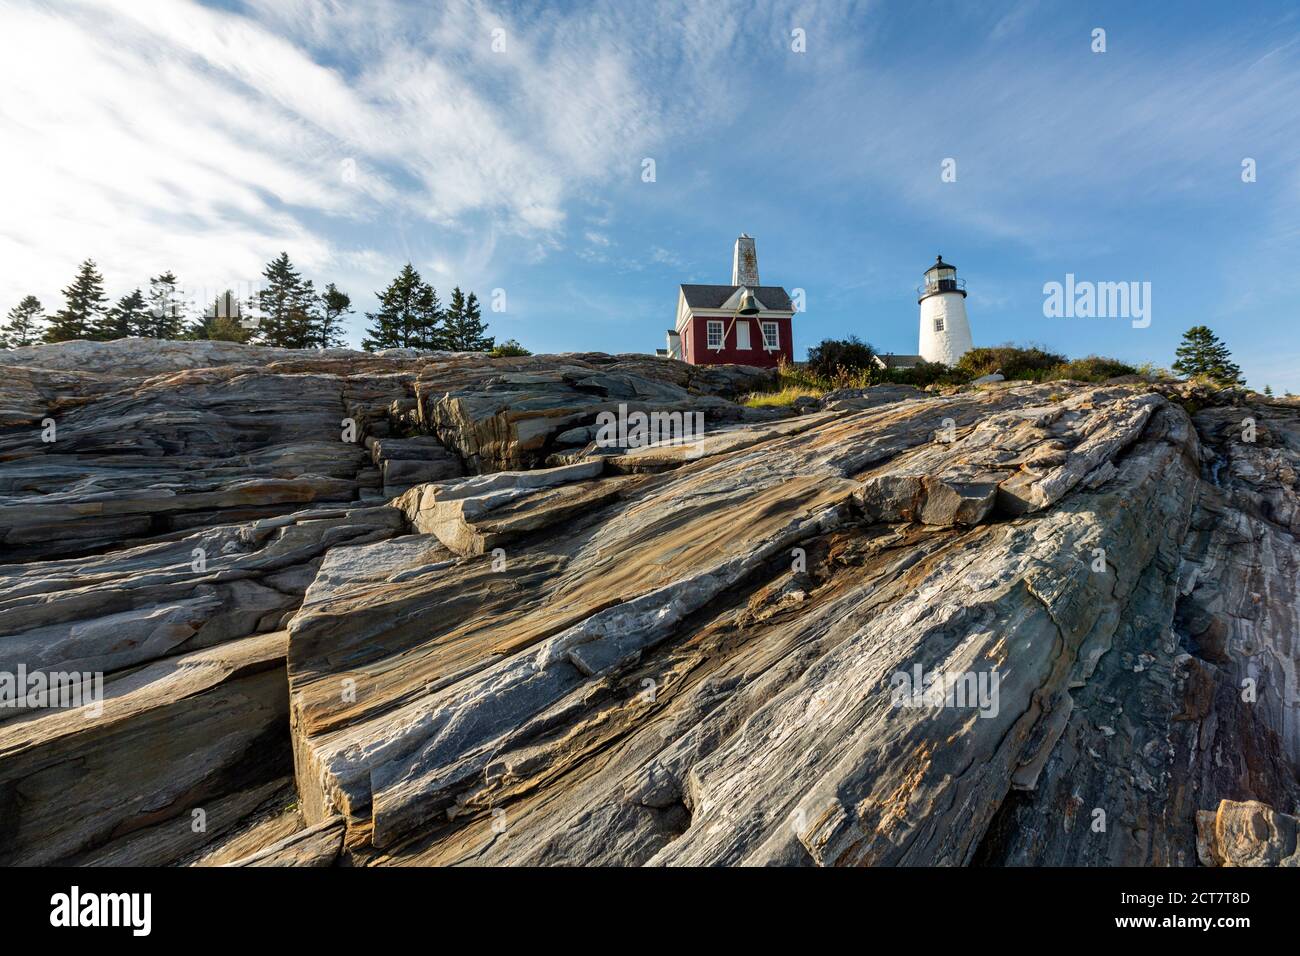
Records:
x=403, y=609
x=1246, y=834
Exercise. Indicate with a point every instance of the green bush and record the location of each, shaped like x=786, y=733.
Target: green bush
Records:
x=927, y=373
x=508, y=349
x=1094, y=368
x=1039, y=365
x=1030, y=364
x=831, y=355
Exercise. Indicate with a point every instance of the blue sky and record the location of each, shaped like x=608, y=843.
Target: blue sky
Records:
x=205, y=138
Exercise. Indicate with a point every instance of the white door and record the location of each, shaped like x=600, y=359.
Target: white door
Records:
x=742, y=335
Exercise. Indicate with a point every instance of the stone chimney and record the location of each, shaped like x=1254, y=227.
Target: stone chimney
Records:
x=744, y=262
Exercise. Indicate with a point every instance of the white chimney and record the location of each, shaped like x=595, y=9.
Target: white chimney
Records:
x=744, y=262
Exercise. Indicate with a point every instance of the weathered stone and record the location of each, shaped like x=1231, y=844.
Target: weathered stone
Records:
x=682, y=654
x=313, y=846
x=1246, y=833
x=170, y=738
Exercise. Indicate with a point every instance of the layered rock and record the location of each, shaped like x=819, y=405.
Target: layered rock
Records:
x=164, y=509
x=1247, y=834
x=521, y=730
x=180, y=750
x=463, y=632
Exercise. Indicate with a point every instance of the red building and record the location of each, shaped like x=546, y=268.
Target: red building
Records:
x=743, y=323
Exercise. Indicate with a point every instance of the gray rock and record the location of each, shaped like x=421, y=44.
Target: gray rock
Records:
x=683, y=654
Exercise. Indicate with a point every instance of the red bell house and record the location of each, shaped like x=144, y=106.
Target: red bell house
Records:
x=743, y=323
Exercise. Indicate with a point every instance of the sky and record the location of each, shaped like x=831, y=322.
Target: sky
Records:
x=580, y=160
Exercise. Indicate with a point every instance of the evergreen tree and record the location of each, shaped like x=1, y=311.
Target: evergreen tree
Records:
x=409, y=315
x=1202, y=354
x=287, y=304
x=22, y=324
x=129, y=317
x=85, y=305
x=430, y=332
x=166, y=309
x=222, y=321
x=327, y=332
x=307, y=317
x=463, y=325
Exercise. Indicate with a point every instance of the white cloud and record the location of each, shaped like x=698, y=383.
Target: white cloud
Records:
x=156, y=134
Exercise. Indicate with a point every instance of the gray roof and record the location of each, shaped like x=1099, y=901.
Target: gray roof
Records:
x=713, y=296
x=893, y=360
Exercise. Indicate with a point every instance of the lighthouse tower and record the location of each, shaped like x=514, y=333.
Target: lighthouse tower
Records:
x=945, y=333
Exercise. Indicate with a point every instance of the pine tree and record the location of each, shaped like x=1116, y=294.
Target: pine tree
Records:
x=328, y=330
x=464, y=325
x=129, y=317
x=222, y=321
x=85, y=304
x=1203, y=355
x=306, y=316
x=287, y=304
x=430, y=332
x=409, y=315
x=166, y=309
x=22, y=324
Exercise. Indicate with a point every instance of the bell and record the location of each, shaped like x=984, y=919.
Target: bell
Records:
x=748, y=304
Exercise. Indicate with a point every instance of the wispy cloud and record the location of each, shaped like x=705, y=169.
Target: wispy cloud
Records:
x=165, y=134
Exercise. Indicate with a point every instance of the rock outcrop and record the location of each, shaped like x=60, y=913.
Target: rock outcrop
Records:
x=404, y=609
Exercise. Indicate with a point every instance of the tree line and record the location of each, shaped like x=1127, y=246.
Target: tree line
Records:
x=287, y=311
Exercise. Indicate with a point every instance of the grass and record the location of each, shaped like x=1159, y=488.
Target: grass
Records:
x=794, y=381
x=785, y=396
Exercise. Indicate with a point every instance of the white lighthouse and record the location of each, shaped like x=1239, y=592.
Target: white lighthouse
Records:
x=945, y=333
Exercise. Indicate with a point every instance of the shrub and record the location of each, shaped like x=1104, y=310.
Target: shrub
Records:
x=927, y=373
x=1094, y=368
x=1153, y=372
x=829, y=355
x=851, y=377
x=1028, y=364
x=509, y=349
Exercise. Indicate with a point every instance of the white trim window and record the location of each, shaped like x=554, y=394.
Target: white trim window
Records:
x=714, y=332
x=742, y=335
x=771, y=335
x=938, y=323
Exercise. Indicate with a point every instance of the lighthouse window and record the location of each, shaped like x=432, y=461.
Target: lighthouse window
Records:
x=938, y=323
x=715, y=335
x=771, y=337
